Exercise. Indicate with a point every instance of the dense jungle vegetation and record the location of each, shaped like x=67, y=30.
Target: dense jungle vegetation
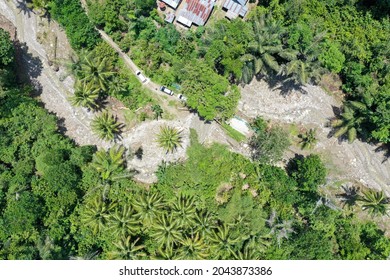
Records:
x=62, y=201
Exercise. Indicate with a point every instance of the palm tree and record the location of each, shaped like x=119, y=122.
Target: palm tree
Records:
x=282, y=230
x=193, y=248
x=117, y=86
x=96, y=214
x=303, y=65
x=85, y=95
x=41, y=5
x=308, y=139
x=264, y=49
x=166, y=231
x=350, y=121
x=123, y=223
x=205, y=222
x=148, y=207
x=183, y=209
x=376, y=203
x=109, y=163
x=169, y=138
x=127, y=250
x=95, y=70
x=106, y=126
x=222, y=243
x=166, y=253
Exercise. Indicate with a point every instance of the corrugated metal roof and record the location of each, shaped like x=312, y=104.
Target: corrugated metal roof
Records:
x=197, y=11
x=184, y=21
x=172, y=3
x=236, y=6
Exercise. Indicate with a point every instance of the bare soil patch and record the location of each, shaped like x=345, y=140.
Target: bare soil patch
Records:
x=347, y=162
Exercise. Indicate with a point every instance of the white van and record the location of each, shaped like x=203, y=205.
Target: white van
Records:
x=166, y=90
x=140, y=76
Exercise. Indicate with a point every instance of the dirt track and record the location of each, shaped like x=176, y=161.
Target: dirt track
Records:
x=346, y=162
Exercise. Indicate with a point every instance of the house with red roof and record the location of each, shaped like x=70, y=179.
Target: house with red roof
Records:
x=195, y=12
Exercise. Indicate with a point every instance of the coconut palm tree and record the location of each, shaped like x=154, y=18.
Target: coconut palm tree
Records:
x=117, y=86
x=193, y=248
x=308, y=139
x=96, y=214
x=109, y=163
x=169, y=138
x=166, y=253
x=127, y=250
x=42, y=6
x=148, y=207
x=85, y=95
x=184, y=210
x=351, y=120
x=95, y=70
x=303, y=65
x=205, y=223
x=264, y=49
x=375, y=202
x=123, y=222
x=166, y=231
x=222, y=243
x=106, y=126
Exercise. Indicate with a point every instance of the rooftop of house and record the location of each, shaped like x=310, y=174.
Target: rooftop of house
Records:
x=235, y=8
x=172, y=3
x=195, y=12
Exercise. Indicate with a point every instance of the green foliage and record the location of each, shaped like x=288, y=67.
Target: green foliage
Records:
x=268, y=143
x=375, y=202
x=6, y=49
x=169, y=138
x=309, y=172
x=72, y=17
x=106, y=126
x=308, y=139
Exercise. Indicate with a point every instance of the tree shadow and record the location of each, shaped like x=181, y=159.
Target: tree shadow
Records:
x=61, y=125
x=29, y=67
x=281, y=83
x=385, y=148
x=23, y=8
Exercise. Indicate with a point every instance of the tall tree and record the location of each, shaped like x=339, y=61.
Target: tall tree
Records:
x=96, y=214
x=95, y=70
x=85, y=95
x=106, y=126
x=166, y=231
x=126, y=249
x=169, y=138
x=263, y=51
x=123, y=222
x=375, y=202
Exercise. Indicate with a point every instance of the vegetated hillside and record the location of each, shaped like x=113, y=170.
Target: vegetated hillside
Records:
x=298, y=41
x=61, y=201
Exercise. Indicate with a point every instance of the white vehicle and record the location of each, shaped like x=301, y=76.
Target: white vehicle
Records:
x=182, y=97
x=166, y=90
x=140, y=76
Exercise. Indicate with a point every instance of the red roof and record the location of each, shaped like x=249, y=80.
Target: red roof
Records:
x=197, y=11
